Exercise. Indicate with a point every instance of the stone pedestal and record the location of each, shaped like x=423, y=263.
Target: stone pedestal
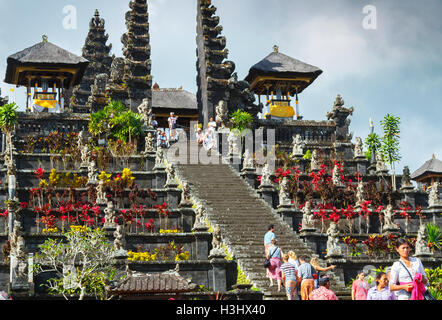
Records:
x=315, y=240
x=149, y=158
x=362, y=165
x=160, y=177
x=409, y=195
x=187, y=218
x=219, y=273
x=202, y=240
x=249, y=175
x=173, y=196
x=291, y=215
x=268, y=194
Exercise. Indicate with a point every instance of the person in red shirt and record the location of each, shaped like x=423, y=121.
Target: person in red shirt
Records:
x=323, y=292
x=360, y=287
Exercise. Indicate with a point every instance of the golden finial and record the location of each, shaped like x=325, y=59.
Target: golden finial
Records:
x=275, y=48
x=45, y=38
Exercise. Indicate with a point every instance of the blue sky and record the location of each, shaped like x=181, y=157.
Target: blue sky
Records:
x=396, y=68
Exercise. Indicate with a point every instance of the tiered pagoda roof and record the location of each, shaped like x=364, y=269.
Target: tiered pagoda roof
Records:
x=97, y=52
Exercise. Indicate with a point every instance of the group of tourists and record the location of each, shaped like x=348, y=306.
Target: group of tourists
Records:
x=207, y=137
x=300, y=276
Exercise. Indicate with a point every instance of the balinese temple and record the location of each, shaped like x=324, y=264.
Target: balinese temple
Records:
x=46, y=71
x=3, y=100
x=279, y=77
x=183, y=103
x=429, y=173
x=97, y=52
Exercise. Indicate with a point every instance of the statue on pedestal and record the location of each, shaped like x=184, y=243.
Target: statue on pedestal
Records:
x=359, y=153
x=109, y=217
x=185, y=196
x=433, y=196
x=222, y=114
x=84, y=156
x=266, y=175
x=248, y=160
x=232, y=139
x=360, y=194
x=333, y=248
x=217, y=249
x=314, y=164
x=298, y=146
x=336, y=177
x=389, y=224
x=380, y=164
x=159, y=158
x=406, y=179
x=149, y=143
x=146, y=112
x=307, y=217
x=421, y=243
x=92, y=172
x=101, y=194
x=284, y=192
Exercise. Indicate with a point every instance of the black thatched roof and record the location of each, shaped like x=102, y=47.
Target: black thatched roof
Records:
x=174, y=99
x=158, y=283
x=282, y=66
x=433, y=166
x=44, y=55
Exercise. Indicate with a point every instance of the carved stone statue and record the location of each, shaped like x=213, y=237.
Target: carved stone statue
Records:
x=339, y=115
x=389, y=224
x=101, y=194
x=200, y=213
x=433, y=196
x=109, y=217
x=380, y=164
x=84, y=156
x=185, y=196
x=314, y=164
x=217, y=249
x=266, y=176
x=119, y=242
x=360, y=194
x=284, y=192
x=359, y=153
x=18, y=261
x=298, y=146
x=170, y=170
x=159, y=158
x=92, y=172
x=146, y=112
x=406, y=179
x=149, y=143
x=233, y=143
x=421, y=243
x=248, y=160
x=333, y=248
x=307, y=217
x=336, y=177
x=80, y=140
x=222, y=114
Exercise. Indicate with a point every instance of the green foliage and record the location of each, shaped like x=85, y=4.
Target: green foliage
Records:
x=373, y=142
x=390, y=140
x=308, y=155
x=434, y=235
x=241, y=120
x=435, y=282
x=91, y=256
x=8, y=116
x=117, y=121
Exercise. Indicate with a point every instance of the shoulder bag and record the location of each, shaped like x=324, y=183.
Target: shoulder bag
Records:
x=267, y=261
x=427, y=295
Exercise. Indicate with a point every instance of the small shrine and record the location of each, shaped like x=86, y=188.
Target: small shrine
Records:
x=46, y=71
x=279, y=77
x=429, y=173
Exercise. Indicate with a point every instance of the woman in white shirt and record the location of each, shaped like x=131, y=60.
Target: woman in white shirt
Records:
x=400, y=280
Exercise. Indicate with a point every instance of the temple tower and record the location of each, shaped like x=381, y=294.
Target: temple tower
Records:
x=97, y=52
x=137, y=64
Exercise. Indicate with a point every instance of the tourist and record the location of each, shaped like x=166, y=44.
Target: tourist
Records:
x=164, y=143
x=200, y=136
x=316, y=275
x=274, y=271
x=154, y=122
x=359, y=288
x=212, y=125
x=293, y=259
x=323, y=292
x=381, y=291
x=408, y=277
x=172, y=120
x=289, y=277
x=305, y=273
x=268, y=237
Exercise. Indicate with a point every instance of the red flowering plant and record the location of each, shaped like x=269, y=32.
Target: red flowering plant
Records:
x=349, y=213
x=365, y=212
x=404, y=213
x=150, y=226
x=39, y=173
x=162, y=210
x=376, y=245
x=5, y=214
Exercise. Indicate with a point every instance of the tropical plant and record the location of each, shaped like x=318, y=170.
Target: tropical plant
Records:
x=435, y=282
x=241, y=120
x=373, y=141
x=390, y=143
x=83, y=264
x=8, y=117
x=434, y=236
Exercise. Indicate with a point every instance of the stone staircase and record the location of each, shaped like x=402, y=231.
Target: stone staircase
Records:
x=243, y=219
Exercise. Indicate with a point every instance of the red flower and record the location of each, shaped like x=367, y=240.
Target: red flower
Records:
x=24, y=205
x=39, y=173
